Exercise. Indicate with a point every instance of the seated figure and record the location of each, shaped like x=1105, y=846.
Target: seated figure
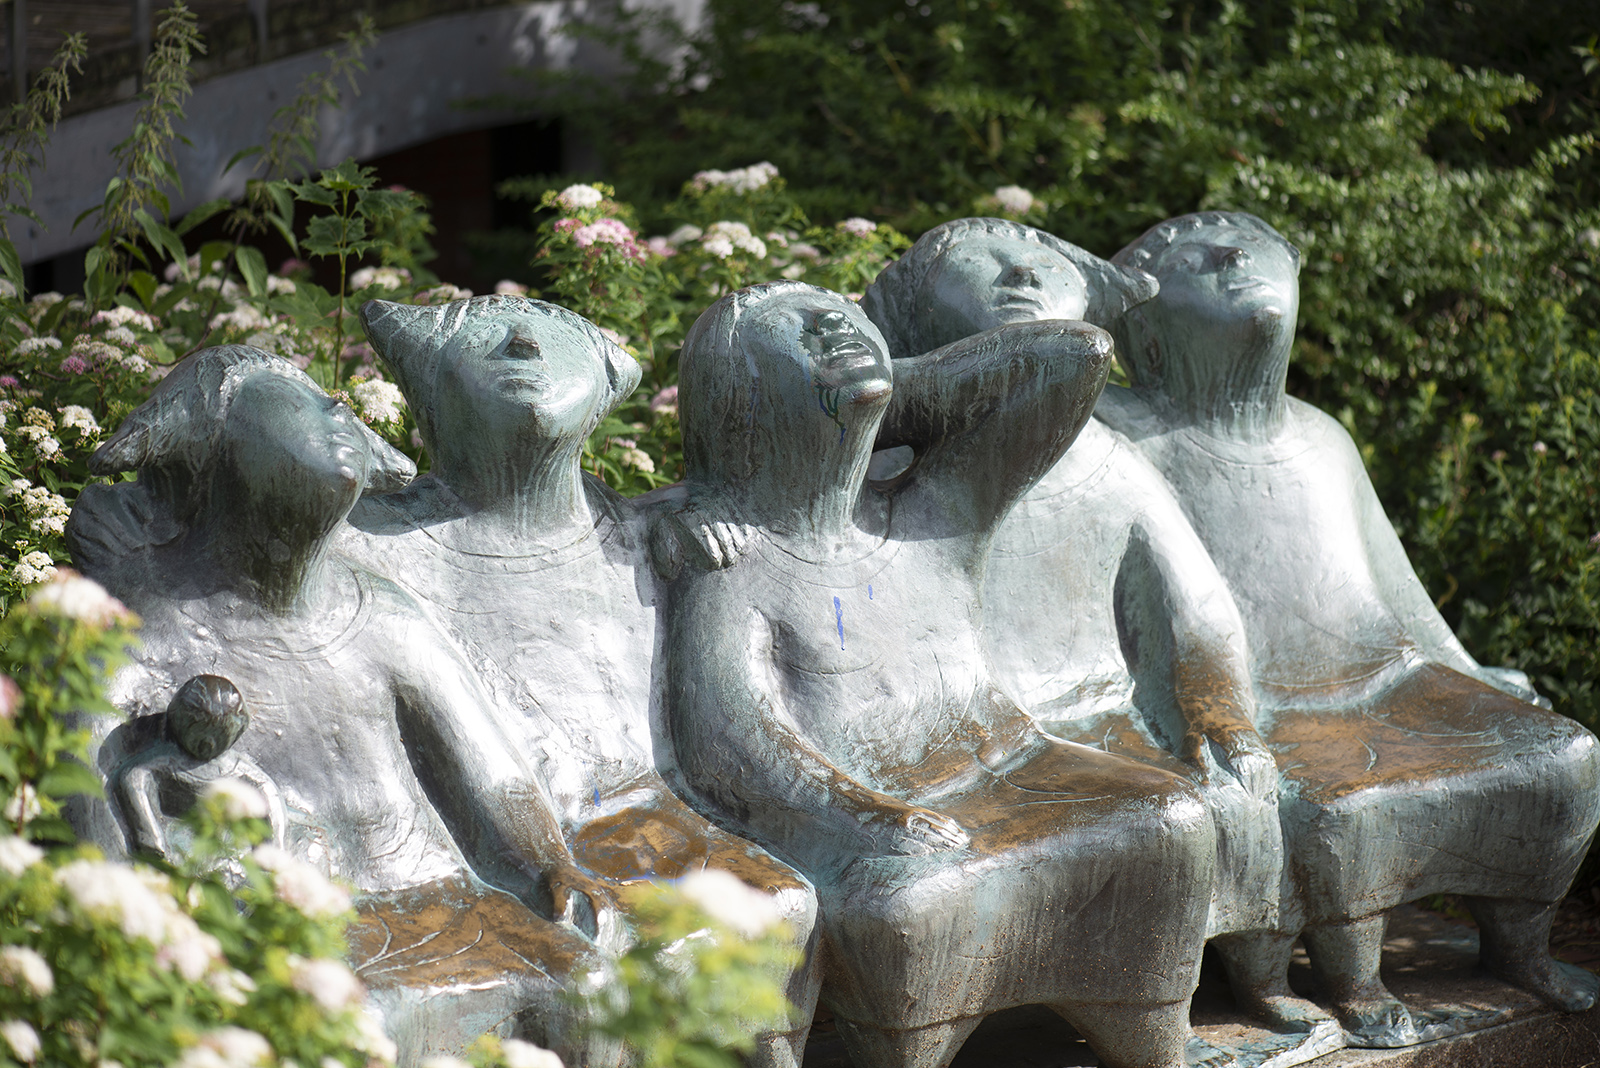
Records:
x=1103, y=614
x=540, y=571
x=829, y=695
x=368, y=722
x=1407, y=768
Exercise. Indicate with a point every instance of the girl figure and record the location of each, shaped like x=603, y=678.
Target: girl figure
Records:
x=1103, y=613
x=829, y=695
x=540, y=571
x=368, y=721
x=1408, y=768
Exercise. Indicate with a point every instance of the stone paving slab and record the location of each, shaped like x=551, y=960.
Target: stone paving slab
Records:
x=1429, y=962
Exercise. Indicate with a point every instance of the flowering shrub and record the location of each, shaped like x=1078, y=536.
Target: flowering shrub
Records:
x=699, y=980
x=109, y=963
x=739, y=227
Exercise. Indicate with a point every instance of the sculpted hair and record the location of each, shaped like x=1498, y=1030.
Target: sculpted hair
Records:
x=1137, y=345
x=173, y=438
x=897, y=304
x=417, y=336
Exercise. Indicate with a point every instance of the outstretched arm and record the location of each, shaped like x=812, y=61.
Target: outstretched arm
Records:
x=493, y=801
x=741, y=750
x=1187, y=623
x=990, y=414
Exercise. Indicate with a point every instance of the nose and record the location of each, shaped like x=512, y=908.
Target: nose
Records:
x=1020, y=274
x=829, y=322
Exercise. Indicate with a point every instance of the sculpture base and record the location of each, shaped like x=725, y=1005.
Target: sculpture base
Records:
x=1429, y=962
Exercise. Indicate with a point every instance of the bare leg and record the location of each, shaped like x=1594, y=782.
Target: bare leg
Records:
x=1345, y=959
x=1515, y=946
x=1258, y=971
x=934, y=1046
x=1143, y=1036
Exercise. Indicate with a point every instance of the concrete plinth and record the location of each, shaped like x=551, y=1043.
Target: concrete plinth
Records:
x=1429, y=962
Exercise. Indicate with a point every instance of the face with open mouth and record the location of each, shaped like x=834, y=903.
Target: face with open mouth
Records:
x=988, y=281
x=818, y=348
x=1228, y=271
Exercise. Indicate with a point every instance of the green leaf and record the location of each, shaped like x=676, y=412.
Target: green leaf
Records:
x=162, y=237
x=212, y=253
x=144, y=284
x=201, y=214
x=70, y=778
x=253, y=266
x=243, y=154
x=312, y=193
x=11, y=264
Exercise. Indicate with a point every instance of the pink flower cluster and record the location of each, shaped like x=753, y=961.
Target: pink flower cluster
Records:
x=605, y=232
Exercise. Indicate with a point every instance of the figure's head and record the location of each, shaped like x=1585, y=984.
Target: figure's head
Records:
x=234, y=424
x=777, y=367
x=206, y=716
x=1225, y=277
x=972, y=275
x=491, y=368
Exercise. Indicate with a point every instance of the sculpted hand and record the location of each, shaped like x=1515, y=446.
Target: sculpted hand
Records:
x=1247, y=756
x=578, y=898
x=908, y=831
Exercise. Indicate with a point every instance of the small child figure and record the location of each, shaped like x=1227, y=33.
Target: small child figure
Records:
x=162, y=779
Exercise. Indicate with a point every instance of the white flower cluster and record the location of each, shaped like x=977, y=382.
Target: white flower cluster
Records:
x=10, y=697
x=858, y=226
x=1013, y=199
x=508, y=288
x=76, y=417
x=276, y=284
x=140, y=902
x=443, y=294
x=722, y=238
x=330, y=983
x=34, y=567
x=242, y=317
x=25, y=969
x=378, y=401
x=71, y=595
x=121, y=335
x=578, y=197
x=227, y=1047
x=29, y=346
x=47, y=512
x=300, y=885
x=17, y=855
x=520, y=1054
x=123, y=316
x=239, y=800
x=35, y=428
x=23, y=1040
x=382, y=277
x=728, y=901
x=744, y=180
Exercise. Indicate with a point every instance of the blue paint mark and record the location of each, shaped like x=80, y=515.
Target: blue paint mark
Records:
x=597, y=797
x=838, y=617
x=869, y=591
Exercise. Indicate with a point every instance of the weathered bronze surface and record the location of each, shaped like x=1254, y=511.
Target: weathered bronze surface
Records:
x=1103, y=613
x=965, y=861
x=1407, y=768
x=540, y=571
x=369, y=725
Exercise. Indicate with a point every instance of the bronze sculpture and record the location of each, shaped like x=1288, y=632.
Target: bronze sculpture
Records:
x=368, y=721
x=1408, y=768
x=965, y=862
x=540, y=571
x=1103, y=614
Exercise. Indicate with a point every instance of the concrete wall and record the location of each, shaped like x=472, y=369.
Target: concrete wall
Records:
x=416, y=78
